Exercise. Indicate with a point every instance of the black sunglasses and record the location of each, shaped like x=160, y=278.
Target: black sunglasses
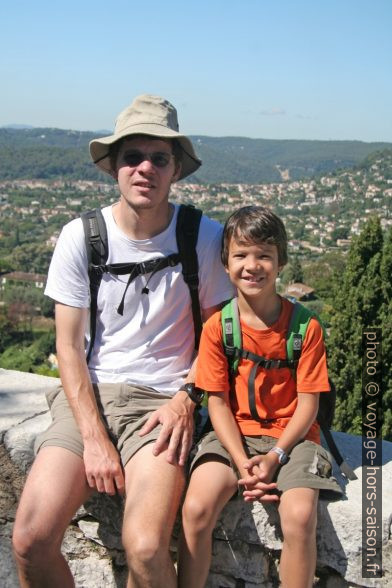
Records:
x=158, y=158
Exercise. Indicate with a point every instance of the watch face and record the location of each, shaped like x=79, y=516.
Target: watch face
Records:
x=282, y=455
x=194, y=393
x=199, y=393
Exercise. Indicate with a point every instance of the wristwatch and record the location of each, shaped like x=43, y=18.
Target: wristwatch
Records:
x=283, y=457
x=194, y=393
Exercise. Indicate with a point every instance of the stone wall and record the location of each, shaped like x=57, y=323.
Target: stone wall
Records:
x=247, y=539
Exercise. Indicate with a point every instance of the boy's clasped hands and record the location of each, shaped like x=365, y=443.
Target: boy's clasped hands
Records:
x=259, y=471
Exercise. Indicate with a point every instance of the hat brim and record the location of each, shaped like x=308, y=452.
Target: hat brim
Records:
x=100, y=148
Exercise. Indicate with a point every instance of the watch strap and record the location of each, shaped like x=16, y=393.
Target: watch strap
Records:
x=194, y=393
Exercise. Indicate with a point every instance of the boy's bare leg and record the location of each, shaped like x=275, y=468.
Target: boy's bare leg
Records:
x=212, y=485
x=154, y=489
x=54, y=490
x=298, y=517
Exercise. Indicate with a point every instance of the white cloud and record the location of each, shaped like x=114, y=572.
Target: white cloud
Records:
x=276, y=111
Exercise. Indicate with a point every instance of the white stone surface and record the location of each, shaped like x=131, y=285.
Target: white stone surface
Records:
x=22, y=395
x=19, y=440
x=247, y=539
x=8, y=575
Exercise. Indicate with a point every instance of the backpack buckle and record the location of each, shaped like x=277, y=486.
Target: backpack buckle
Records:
x=98, y=270
x=172, y=261
x=231, y=351
x=143, y=269
x=297, y=342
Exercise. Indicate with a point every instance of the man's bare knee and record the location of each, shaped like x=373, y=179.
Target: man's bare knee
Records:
x=34, y=545
x=145, y=550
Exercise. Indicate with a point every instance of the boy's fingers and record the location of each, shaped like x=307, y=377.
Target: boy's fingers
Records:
x=253, y=461
x=250, y=480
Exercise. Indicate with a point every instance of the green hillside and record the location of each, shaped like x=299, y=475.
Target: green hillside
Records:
x=55, y=153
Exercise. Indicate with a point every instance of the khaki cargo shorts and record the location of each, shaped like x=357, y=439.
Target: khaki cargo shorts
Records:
x=124, y=409
x=309, y=465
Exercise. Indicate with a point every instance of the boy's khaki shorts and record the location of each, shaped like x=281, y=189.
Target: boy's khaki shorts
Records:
x=309, y=465
x=124, y=409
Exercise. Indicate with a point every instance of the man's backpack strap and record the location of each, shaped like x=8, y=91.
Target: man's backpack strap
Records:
x=97, y=249
x=187, y=232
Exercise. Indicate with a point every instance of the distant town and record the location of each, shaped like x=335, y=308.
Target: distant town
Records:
x=321, y=214
x=326, y=217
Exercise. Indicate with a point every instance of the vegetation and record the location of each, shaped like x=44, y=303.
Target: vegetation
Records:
x=293, y=272
x=26, y=330
x=362, y=299
x=352, y=284
x=56, y=153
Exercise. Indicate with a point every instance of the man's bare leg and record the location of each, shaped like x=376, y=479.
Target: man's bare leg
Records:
x=212, y=485
x=55, y=488
x=153, y=493
x=298, y=517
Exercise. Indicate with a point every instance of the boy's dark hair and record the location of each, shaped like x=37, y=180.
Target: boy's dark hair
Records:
x=255, y=224
x=115, y=148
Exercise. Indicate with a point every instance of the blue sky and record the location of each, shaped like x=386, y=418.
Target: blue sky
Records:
x=280, y=69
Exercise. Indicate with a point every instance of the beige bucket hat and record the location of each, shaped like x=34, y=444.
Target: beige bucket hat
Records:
x=147, y=115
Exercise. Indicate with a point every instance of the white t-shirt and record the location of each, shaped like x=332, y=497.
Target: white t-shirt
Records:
x=152, y=344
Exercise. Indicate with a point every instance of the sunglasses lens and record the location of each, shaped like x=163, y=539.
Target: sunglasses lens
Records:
x=160, y=159
x=135, y=158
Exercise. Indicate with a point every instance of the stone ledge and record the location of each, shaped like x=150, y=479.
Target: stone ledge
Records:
x=247, y=542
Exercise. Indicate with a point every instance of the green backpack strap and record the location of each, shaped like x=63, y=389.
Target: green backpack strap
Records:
x=296, y=331
x=231, y=333
x=298, y=325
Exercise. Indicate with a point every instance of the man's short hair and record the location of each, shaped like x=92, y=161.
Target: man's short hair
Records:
x=115, y=148
x=255, y=224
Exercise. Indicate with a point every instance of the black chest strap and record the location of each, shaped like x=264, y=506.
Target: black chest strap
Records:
x=259, y=362
x=187, y=230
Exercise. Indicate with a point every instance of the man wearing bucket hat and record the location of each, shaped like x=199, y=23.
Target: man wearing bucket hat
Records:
x=123, y=423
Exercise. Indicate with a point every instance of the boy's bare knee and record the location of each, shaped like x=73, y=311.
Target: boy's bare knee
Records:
x=196, y=514
x=299, y=522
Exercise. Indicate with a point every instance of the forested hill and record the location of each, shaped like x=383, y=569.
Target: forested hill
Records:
x=55, y=153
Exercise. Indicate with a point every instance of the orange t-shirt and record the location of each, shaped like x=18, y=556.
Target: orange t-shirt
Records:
x=275, y=389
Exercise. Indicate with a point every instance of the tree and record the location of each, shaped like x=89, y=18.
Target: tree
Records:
x=293, y=271
x=321, y=273
x=385, y=320
x=359, y=297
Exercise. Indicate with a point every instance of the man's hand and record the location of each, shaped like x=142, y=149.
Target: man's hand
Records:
x=176, y=418
x=260, y=471
x=103, y=467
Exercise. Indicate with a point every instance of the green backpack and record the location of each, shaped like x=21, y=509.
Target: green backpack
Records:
x=232, y=345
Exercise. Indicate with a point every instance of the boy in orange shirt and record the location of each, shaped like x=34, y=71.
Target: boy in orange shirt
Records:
x=271, y=442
